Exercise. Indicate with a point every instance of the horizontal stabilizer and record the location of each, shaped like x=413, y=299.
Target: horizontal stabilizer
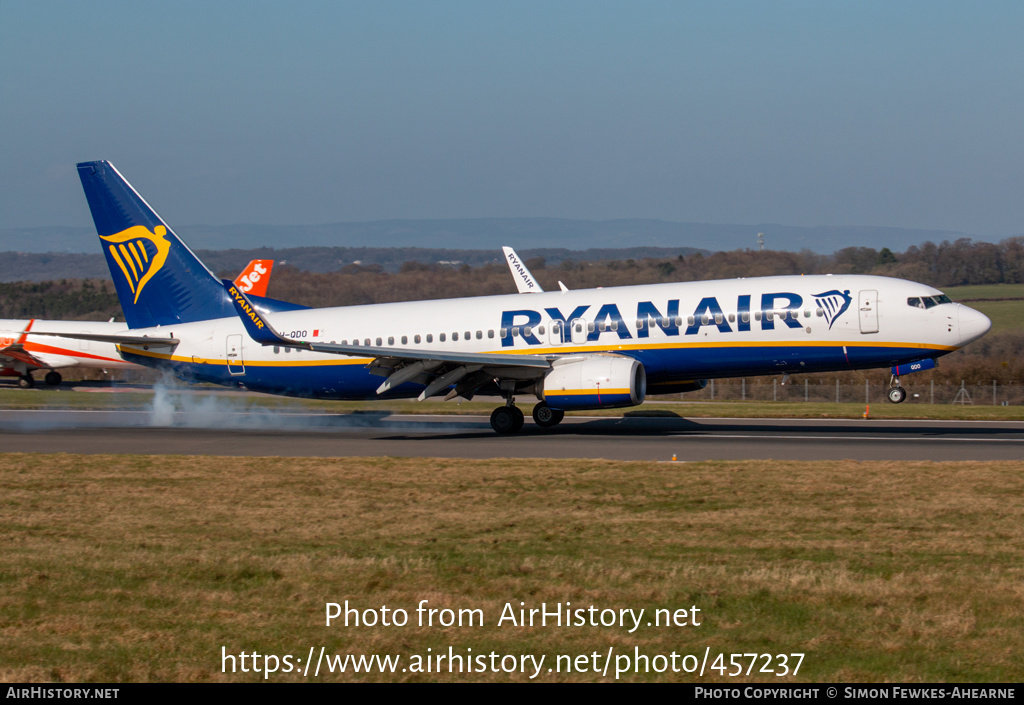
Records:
x=158, y=341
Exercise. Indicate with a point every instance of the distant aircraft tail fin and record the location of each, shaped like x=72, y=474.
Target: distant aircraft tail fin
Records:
x=525, y=281
x=159, y=280
x=255, y=277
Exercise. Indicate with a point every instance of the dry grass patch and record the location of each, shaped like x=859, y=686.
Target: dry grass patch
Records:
x=125, y=568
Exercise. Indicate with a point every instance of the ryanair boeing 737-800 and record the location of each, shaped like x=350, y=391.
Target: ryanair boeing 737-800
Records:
x=580, y=349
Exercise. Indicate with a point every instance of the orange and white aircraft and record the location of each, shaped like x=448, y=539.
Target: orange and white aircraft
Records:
x=21, y=353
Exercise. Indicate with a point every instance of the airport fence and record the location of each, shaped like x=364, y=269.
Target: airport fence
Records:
x=866, y=392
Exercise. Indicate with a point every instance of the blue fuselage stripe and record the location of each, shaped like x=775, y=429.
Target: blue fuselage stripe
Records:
x=662, y=365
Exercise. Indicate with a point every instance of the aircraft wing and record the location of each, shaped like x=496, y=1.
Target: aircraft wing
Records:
x=437, y=369
x=16, y=352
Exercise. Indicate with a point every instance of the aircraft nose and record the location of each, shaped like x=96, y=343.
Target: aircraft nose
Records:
x=972, y=324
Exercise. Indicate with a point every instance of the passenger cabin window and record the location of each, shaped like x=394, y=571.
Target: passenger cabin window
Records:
x=455, y=336
x=490, y=333
x=405, y=340
x=441, y=337
x=745, y=317
x=391, y=340
x=430, y=337
x=479, y=335
x=416, y=339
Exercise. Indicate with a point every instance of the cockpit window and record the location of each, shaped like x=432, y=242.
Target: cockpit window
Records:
x=928, y=301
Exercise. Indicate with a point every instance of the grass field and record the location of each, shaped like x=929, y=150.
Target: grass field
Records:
x=986, y=292
x=135, y=568
x=43, y=398
x=1003, y=303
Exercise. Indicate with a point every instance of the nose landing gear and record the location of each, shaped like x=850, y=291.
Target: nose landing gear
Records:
x=896, y=393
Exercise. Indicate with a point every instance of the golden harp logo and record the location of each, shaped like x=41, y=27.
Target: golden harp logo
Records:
x=139, y=253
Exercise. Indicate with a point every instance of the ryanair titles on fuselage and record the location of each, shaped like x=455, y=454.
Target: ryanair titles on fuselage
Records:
x=608, y=319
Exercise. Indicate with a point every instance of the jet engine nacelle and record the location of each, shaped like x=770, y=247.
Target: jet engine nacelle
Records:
x=595, y=382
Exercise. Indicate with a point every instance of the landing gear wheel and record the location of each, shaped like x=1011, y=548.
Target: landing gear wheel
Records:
x=507, y=419
x=53, y=378
x=26, y=382
x=546, y=417
x=897, y=394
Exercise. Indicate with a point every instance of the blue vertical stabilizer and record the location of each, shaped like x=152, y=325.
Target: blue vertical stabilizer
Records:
x=159, y=281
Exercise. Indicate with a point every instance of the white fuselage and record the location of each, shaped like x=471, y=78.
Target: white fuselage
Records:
x=679, y=331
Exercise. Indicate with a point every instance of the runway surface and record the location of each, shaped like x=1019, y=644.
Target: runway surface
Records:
x=313, y=434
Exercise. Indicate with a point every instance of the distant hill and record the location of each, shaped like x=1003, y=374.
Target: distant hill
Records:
x=492, y=233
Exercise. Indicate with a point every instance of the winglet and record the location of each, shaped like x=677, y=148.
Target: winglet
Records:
x=24, y=334
x=258, y=328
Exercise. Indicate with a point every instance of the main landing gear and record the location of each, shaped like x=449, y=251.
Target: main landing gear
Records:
x=509, y=418
x=896, y=393
x=53, y=378
x=26, y=381
x=546, y=417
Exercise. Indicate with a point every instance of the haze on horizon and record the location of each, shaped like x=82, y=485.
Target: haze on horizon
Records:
x=799, y=113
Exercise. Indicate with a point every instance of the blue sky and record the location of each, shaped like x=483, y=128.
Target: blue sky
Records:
x=901, y=114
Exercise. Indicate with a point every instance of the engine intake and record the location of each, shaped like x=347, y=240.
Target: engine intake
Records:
x=595, y=382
